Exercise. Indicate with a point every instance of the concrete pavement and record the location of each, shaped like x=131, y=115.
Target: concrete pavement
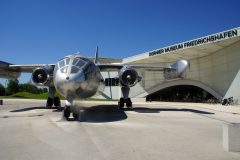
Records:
x=149, y=131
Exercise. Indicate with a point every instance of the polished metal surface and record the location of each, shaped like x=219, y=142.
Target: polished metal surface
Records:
x=182, y=67
x=76, y=77
x=177, y=70
x=128, y=76
x=43, y=76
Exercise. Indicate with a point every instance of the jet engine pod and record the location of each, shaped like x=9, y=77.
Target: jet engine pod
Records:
x=177, y=70
x=42, y=76
x=128, y=77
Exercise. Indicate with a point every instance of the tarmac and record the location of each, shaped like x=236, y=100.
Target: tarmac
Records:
x=156, y=130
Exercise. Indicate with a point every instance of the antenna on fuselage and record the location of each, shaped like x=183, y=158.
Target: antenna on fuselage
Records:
x=96, y=56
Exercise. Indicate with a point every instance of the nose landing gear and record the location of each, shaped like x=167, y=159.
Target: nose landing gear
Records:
x=69, y=108
x=67, y=112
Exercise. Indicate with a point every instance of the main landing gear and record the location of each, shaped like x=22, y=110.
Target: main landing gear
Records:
x=53, y=101
x=126, y=101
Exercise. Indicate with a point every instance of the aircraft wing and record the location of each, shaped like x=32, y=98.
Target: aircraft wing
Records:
x=116, y=67
x=175, y=70
x=109, y=67
x=26, y=68
x=151, y=67
x=8, y=70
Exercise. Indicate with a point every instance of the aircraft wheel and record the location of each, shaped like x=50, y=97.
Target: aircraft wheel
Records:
x=49, y=102
x=57, y=102
x=128, y=103
x=121, y=103
x=67, y=112
x=75, y=116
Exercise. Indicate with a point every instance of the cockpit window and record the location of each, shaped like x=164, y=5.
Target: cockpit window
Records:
x=80, y=63
x=67, y=61
x=71, y=65
x=64, y=69
x=74, y=69
x=75, y=60
x=61, y=63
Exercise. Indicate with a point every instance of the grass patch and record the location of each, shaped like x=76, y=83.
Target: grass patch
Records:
x=27, y=95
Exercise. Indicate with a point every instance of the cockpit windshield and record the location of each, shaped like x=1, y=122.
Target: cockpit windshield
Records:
x=78, y=62
x=75, y=64
x=74, y=69
x=63, y=62
x=67, y=61
x=64, y=69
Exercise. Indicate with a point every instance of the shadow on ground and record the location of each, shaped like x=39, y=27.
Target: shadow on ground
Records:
x=101, y=114
x=29, y=109
x=111, y=113
x=158, y=110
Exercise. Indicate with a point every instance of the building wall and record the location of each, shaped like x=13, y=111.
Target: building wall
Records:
x=219, y=71
x=110, y=92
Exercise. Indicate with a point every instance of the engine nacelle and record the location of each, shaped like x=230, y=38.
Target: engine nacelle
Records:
x=177, y=70
x=43, y=76
x=128, y=77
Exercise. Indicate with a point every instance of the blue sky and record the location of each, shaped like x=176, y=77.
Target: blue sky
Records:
x=43, y=31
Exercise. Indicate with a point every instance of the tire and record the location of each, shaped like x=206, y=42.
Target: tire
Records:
x=49, y=102
x=67, y=112
x=75, y=113
x=128, y=103
x=75, y=116
x=56, y=102
x=121, y=103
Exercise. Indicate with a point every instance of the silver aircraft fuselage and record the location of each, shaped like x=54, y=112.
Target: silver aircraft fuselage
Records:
x=77, y=77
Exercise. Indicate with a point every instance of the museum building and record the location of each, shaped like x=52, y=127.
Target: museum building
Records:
x=214, y=71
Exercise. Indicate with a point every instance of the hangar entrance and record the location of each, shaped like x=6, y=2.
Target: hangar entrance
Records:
x=182, y=93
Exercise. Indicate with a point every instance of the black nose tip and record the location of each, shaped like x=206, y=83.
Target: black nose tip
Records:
x=67, y=78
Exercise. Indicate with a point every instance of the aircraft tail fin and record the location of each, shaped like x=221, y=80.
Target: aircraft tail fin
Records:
x=96, y=56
